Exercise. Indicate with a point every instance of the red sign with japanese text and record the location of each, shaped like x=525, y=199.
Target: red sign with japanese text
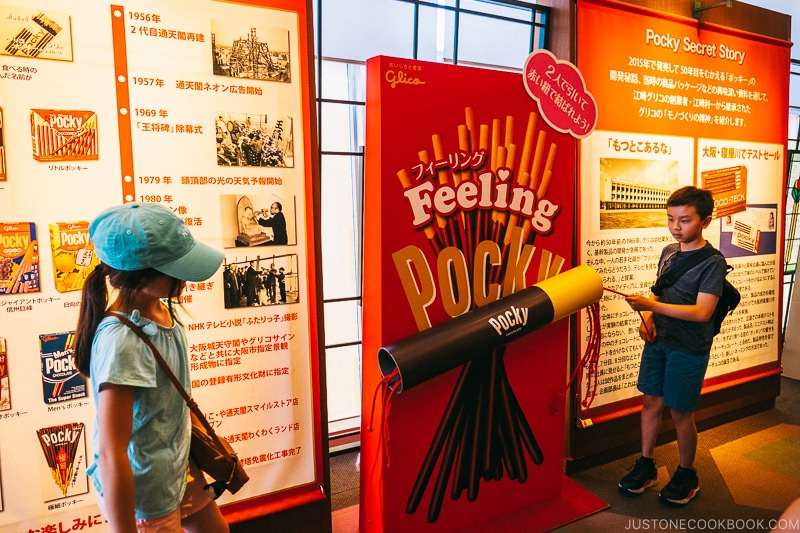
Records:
x=681, y=102
x=469, y=198
x=561, y=93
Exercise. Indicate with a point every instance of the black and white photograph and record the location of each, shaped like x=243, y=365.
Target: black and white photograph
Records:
x=243, y=51
x=261, y=280
x=32, y=32
x=257, y=220
x=634, y=192
x=253, y=140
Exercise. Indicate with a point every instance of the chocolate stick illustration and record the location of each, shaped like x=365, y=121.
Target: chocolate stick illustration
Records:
x=483, y=432
x=468, y=340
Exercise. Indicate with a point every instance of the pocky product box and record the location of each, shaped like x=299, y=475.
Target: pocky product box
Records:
x=63, y=135
x=64, y=471
x=29, y=32
x=73, y=254
x=729, y=188
x=19, y=258
x=61, y=381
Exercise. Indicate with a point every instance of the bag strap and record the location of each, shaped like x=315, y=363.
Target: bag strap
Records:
x=167, y=370
x=672, y=274
x=136, y=329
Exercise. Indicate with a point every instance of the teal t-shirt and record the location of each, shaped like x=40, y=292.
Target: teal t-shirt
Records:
x=161, y=434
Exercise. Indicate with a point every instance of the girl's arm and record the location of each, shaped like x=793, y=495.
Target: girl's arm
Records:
x=115, y=422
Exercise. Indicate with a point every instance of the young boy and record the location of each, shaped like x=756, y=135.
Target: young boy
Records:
x=678, y=334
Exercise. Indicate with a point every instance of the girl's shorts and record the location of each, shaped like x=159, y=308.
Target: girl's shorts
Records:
x=195, y=498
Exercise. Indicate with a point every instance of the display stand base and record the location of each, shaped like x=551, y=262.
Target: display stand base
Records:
x=345, y=520
x=575, y=503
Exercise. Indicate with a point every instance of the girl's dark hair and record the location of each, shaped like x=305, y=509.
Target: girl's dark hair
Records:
x=94, y=302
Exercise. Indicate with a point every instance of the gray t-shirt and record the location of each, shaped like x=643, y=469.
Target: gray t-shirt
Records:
x=708, y=277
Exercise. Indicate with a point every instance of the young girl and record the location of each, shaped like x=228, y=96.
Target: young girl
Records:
x=141, y=470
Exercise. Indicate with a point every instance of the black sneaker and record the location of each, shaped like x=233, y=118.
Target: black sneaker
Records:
x=682, y=487
x=643, y=475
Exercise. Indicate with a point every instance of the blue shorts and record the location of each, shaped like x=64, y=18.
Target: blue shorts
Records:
x=677, y=376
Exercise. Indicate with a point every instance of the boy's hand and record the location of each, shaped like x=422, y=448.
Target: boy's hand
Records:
x=639, y=303
x=647, y=328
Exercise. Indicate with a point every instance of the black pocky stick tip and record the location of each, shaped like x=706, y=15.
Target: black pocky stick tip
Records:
x=446, y=466
x=439, y=439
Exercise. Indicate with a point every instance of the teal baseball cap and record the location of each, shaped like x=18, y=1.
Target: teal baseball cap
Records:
x=136, y=235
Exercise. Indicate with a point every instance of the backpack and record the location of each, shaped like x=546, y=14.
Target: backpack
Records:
x=729, y=298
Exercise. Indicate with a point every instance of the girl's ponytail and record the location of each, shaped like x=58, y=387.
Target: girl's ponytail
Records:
x=94, y=300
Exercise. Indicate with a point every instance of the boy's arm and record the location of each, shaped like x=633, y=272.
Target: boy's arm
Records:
x=700, y=311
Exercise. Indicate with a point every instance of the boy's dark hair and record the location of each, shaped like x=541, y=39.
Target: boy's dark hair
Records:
x=690, y=196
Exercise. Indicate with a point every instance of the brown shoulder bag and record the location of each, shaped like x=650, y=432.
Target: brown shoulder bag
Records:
x=212, y=453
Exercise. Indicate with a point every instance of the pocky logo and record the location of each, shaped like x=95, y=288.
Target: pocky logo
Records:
x=59, y=364
x=74, y=239
x=462, y=285
x=14, y=241
x=510, y=321
x=60, y=435
x=65, y=122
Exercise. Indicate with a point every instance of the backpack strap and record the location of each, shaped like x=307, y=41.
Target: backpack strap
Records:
x=674, y=273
